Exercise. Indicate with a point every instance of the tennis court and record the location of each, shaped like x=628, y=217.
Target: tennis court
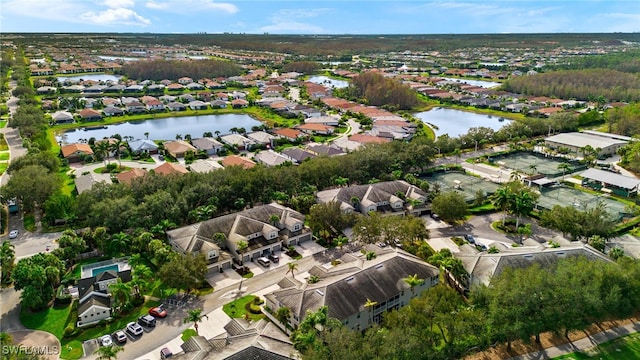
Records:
x=565, y=196
x=466, y=184
x=528, y=163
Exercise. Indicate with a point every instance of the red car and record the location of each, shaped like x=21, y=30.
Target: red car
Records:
x=158, y=311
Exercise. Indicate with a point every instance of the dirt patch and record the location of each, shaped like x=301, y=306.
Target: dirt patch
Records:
x=547, y=340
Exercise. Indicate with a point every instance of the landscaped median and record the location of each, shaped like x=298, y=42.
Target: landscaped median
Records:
x=245, y=307
x=56, y=320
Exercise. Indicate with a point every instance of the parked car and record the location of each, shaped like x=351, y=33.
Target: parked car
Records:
x=13, y=234
x=482, y=247
x=120, y=337
x=158, y=311
x=274, y=258
x=147, y=320
x=435, y=216
x=165, y=353
x=470, y=238
x=264, y=261
x=134, y=329
x=106, y=340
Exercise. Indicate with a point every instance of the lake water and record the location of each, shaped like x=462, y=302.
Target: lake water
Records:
x=166, y=128
x=480, y=83
x=95, y=77
x=123, y=58
x=325, y=80
x=456, y=122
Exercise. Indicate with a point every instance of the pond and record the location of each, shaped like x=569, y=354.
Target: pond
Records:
x=480, y=83
x=165, y=128
x=94, y=77
x=457, y=122
x=327, y=81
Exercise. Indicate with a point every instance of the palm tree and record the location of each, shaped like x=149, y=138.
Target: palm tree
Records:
x=533, y=168
x=146, y=134
x=119, y=242
x=413, y=281
x=219, y=239
x=341, y=240
x=293, y=266
x=522, y=204
x=274, y=220
x=108, y=352
x=241, y=246
x=282, y=314
x=115, y=146
x=195, y=316
x=370, y=304
x=178, y=137
x=516, y=175
x=501, y=200
x=457, y=153
x=121, y=292
x=565, y=167
x=103, y=148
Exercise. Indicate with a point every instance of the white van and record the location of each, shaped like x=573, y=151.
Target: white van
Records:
x=264, y=261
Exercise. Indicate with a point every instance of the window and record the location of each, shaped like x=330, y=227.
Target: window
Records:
x=273, y=235
x=296, y=227
x=211, y=254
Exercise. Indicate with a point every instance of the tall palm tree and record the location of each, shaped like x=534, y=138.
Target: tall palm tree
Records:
x=293, y=266
x=370, y=304
x=146, y=135
x=523, y=203
x=282, y=314
x=274, y=220
x=241, y=247
x=565, y=167
x=195, y=316
x=457, y=153
x=501, y=200
x=103, y=149
x=119, y=242
x=413, y=281
x=108, y=352
x=116, y=147
x=533, y=168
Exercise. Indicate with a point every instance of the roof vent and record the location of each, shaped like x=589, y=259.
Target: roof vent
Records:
x=561, y=254
x=349, y=279
x=319, y=292
x=379, y=266
x=528, y=257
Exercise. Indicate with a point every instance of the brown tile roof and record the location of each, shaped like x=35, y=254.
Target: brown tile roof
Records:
x=170, y=168
x=368, y=139
x=314, y=127
x=127, y=176
x=289, y=133
x=71, y=149
x=90, y=113
x=235, y=160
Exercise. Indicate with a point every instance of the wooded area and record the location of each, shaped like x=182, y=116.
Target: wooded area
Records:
x=588, y=84
x=374, y=89
x=174, y=69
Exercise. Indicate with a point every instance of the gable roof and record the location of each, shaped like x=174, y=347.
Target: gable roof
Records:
x=178, y=147
x=371, y=193
x=288, y=133
x=86, y=182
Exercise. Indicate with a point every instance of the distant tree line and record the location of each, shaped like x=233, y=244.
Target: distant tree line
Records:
x=627, y=61
x=304, y=67
x=175, y=69
x=624, y=120
x=586, y=84
x=519, y=304
x=375, y=89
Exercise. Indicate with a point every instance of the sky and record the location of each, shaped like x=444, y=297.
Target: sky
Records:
x=320, y=17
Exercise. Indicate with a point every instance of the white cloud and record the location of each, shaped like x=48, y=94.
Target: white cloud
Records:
x=119, y=16
x=619, y=22
x=301, y=13
x=292, y=27
x=189, y=6
x=117, y=4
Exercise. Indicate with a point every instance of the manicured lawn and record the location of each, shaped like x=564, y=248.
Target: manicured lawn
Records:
x=4, y=156
x=624, y=348
x=237, y=308
x=52, y=320
x=3, y=167
x=3, y=123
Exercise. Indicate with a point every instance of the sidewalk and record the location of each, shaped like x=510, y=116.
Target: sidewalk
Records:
x=582, y=344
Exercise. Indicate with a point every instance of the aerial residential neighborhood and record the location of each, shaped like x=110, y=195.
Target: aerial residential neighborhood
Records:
x=302, y=195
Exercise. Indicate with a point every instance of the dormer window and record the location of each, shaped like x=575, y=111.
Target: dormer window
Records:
x=297, y=227
x=212, y=254
x=272, y=235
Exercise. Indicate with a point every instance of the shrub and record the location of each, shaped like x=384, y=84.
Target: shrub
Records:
x=258, y=301
x=253, y=308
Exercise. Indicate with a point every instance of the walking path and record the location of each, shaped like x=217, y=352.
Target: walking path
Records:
x=582, y=344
